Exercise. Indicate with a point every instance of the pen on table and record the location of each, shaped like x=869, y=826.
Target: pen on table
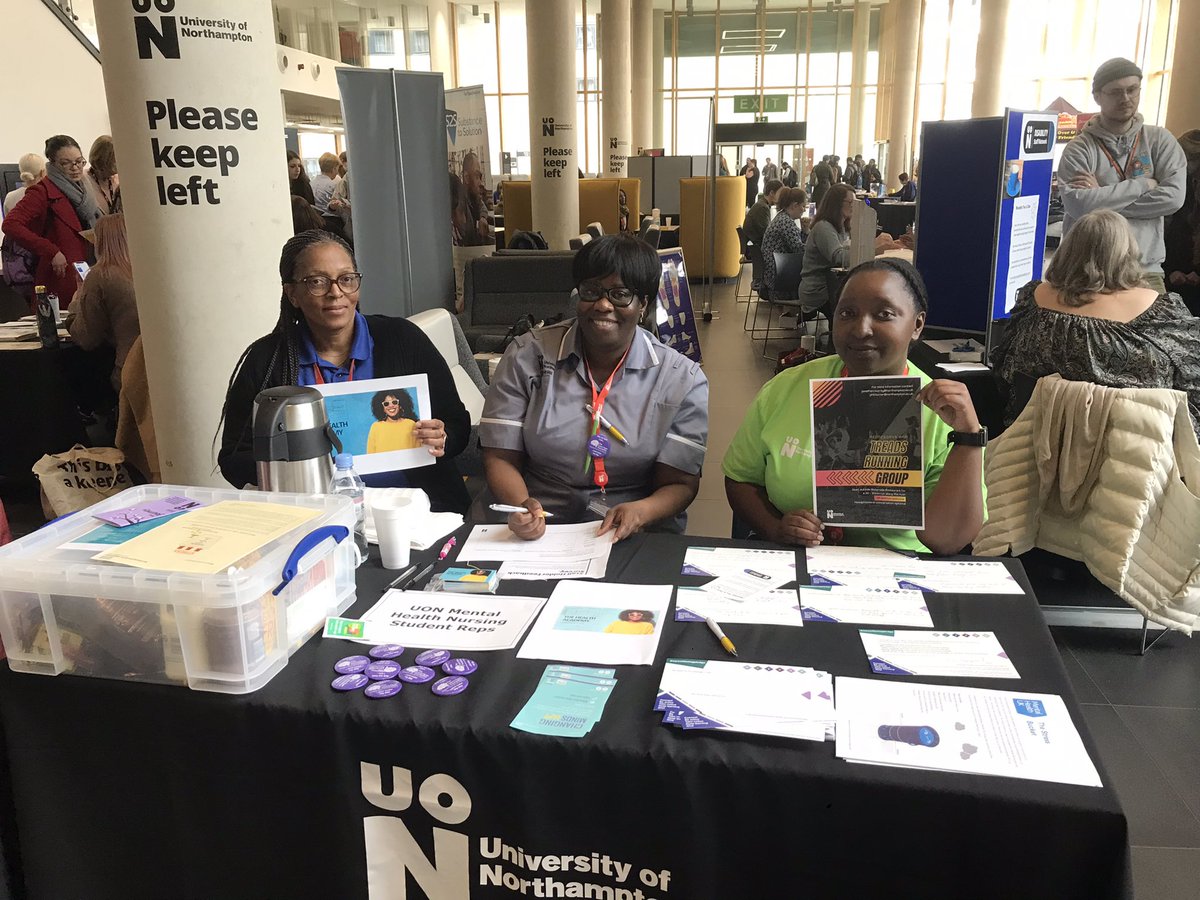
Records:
x=447, y=547
x=725, y=642
x=612, y=429
x=509, y=508
x=425, y=571
x=402, y=576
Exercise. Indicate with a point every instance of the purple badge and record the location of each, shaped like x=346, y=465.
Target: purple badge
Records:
x=351, y=682
x=432, y=657
x=377, y=690
x=416, y=674
x=382, y=670
x=460, y=666
x=598, y=446
x=351, y=665
x=386, y=651
x=450, y=685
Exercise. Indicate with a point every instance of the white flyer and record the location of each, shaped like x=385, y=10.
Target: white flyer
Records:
x=441, y=620
x=531, y=570
x=778, y=607
x=731, y=560
x=560, y=543
x=965, y=576
x=605, y=623
x=959, y=729
x=967, y=654
x=856, y=566
x=865, y=606
x=786, y=701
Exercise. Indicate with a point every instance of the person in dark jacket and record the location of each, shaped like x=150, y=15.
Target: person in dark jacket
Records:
x=298, y=183
x=759, y=216
x=321, y=338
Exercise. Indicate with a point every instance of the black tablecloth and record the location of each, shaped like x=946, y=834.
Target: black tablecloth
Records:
x=41, y=393
x=894, y=217
x=128, y=790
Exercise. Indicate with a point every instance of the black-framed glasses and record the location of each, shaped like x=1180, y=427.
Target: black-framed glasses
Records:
x=318, y=285
x=72, y=163
x=591, y=291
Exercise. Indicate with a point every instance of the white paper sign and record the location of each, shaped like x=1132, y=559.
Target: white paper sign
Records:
x=865, y=606
x=375, y=420
x=449, y=622
x=969, y=654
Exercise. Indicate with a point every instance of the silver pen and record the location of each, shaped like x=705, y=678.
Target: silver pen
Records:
x=509, y=508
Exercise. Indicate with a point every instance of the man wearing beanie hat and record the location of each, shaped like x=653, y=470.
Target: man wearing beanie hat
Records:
x=1117, y=162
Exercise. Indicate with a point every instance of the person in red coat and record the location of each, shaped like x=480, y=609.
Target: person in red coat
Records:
x=49, y=218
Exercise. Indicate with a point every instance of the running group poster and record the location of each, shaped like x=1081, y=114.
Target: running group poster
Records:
x=868, y=457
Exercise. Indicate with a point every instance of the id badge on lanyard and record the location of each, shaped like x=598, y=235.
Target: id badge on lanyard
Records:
x=598, y=445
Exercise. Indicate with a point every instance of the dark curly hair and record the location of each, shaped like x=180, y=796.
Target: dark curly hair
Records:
x=406, y=405
x=647, y=615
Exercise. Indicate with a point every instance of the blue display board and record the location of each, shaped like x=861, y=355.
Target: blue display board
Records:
x=1024, y=192
x=956, y=219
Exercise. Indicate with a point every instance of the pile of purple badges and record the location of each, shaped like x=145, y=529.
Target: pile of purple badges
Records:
x=380, y=675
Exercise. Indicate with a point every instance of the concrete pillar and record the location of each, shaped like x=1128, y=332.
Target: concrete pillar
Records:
x=883, y=90
x=641, y=68
x=859, y=45
x=1183, y=100
x=987, y=97
x=658, y=60
x=205, y=230
x=904, y=89
x=441, y=44
x=616, y=123
x=553, y=135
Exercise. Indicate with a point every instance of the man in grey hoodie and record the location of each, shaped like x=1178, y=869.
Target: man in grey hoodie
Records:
x=1117, y=162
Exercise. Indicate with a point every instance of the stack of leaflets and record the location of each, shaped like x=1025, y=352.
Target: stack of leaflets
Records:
x=753, y=698
x=959, y=729
x=568, y=701
x=470, y=580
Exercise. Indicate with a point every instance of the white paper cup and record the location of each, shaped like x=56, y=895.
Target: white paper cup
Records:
x=808, y=342
x=393, y=528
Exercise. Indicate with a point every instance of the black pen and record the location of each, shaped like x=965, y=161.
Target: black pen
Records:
x=425, y=571
x=402, y=576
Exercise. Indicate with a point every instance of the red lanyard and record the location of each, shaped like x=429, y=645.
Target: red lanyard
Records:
x=318, y=378
x=595, y=457
x=1124, y=173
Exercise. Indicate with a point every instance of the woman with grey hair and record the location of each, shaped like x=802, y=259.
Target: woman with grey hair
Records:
x=1093, y=319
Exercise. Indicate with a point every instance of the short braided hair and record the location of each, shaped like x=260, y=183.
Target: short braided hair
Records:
x=908, y=273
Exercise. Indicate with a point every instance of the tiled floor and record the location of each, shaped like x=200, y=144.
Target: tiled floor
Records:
x=1144, y=712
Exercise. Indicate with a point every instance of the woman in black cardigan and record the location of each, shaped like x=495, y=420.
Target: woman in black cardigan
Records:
x=322, y=338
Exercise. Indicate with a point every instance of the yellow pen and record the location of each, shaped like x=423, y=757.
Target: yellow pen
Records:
x=725, y=642
x=612, y=429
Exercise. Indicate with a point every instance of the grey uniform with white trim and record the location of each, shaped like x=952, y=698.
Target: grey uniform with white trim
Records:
x=535, y=404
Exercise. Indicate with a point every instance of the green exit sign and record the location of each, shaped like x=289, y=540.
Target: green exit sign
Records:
x=771, y=103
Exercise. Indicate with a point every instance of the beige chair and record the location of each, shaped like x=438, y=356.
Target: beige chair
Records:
x=438, y=325
x=725, y=260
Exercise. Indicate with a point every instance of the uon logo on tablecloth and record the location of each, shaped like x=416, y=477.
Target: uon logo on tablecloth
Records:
x=393, y=854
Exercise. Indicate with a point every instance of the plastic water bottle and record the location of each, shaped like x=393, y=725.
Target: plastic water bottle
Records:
x=346, y=482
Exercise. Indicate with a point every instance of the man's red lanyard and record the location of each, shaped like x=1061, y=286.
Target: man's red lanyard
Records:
x=318, y=378
x=598, y=445
x=1123, y=173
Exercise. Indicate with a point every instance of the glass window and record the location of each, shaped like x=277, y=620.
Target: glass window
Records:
x=476, y=42
x=514, y=66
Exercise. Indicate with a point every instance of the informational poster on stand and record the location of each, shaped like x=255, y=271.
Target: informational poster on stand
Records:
x=868, y=454
x=673, y=313
x=1024, y=191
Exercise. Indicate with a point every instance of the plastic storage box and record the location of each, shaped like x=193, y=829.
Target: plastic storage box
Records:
x=61, y=611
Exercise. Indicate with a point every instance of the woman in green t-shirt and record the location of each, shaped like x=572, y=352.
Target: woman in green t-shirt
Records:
x=768, y=467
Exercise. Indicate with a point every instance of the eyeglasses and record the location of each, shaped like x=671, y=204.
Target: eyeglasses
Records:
x=318, y=285
x=1118, y=93
x=72, y=164
x=590, y=292
x=391, y=402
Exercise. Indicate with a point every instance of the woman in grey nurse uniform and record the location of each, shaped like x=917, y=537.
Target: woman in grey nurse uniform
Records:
x=597, y=411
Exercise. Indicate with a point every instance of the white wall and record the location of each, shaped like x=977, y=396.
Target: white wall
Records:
x=52, y=84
